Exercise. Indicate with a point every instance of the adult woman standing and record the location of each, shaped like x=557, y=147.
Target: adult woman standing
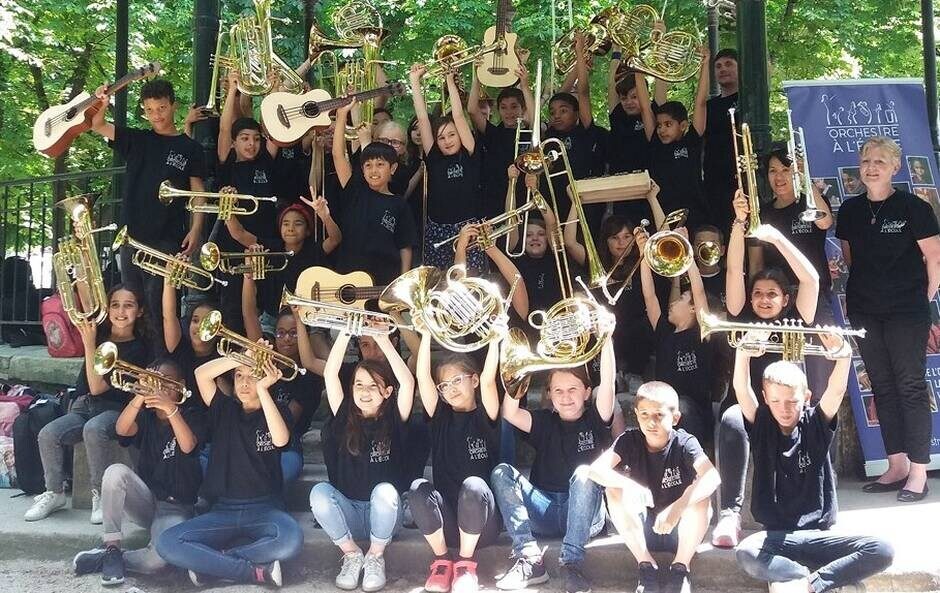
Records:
x=891, y=245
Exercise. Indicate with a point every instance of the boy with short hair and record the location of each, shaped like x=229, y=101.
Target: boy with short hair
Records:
x=667, y=472
x=794, y=492
x=378, y=228
x=719, y=168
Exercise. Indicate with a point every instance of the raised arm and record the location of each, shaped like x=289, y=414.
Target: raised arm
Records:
x=741, y=383
x=208, y=372
x=467, y=138
x=516, y=415
x=605, y=400
x=172, y=332
x=584, y=83
x=473, y=104
x=340, y=158
x=227, y=119
x=653, y=309
x=334, y=386
x=807, y=294
x=280, y=433
x=253, y=329
x=509, y=271
x=528, y=110
x=489, y=394
x=699, y=115
x=334, y=236
x=406, y=381
x=98, y=123
x=646, y=108
x=831, y=399
x=96, y=383
x=735, y=290
x=126, y=424
x=426, y=387
x=421, y=107
x=612, y=97
x=575, y=249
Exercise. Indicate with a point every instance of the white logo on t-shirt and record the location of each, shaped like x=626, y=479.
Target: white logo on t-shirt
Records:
x=389, y=221
x=567, y=142
x=686, y=361
x=801, y=227
x=263, y=441
x=671, y=478
x=455, y=171
x=681, y=153
x=638, y=126
x=176, y=160
x=381, y=451
x=585, y=441
x=287, y=153
x=804, y=461
x=169, y=450
x=261, y=176
x=476, y=448
x=893, y=226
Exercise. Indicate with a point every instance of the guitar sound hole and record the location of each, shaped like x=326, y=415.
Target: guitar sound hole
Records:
x=347, y=294
x=282, y=116
x=498, y=71
x=70, y=114
x=311, y=109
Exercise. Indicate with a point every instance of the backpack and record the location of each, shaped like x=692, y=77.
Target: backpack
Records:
x=19, y=303
x=62, y=337
x=26, y=427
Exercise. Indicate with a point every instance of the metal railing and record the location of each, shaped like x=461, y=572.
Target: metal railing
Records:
x=30, y=227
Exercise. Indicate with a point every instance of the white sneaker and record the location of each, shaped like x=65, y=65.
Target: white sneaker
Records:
x=727, y=533
x=46, y=503
x=348, y=577
x=96, y=517
x=373, y=573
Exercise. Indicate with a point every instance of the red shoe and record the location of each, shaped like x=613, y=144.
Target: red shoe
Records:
x=440, y=576
x=465, y=577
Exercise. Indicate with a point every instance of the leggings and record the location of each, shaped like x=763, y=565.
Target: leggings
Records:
x=475, y=511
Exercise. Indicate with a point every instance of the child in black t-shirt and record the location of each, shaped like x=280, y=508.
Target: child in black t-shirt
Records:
x=364, y=449
x=162, y=491
x=459, y=508
x=378, y=227
x=557, y=499
x=537, y=264
x=794, y=490
x=707, y=238
x=667, y=472
x=189, y=350
x=249, y=430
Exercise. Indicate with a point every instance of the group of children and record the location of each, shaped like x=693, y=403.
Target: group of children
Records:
x=238, y=442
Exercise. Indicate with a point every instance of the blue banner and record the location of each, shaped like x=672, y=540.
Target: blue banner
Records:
x=837, y=117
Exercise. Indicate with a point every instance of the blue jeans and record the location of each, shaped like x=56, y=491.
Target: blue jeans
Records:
x=215, y=543
x=780, y=556
x=292, y=463
x=344, y=519
x=577, y=514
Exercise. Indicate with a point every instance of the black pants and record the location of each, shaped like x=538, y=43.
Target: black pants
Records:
x=894, y=351
x=733, y=444
x=475, y=511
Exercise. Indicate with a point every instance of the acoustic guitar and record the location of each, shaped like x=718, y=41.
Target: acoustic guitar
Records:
x=57, y=126
x=325, y=285
x=498, y=68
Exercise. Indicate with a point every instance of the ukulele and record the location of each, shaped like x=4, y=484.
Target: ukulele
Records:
x=57, y=126
x=499, y=67
x=287, y=117
x=325, y=285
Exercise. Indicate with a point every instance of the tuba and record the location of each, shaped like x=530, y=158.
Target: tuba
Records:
x=350, y=320
x=799, y=165
x=241, y=262
x=787, y=337
x=746, y=162
x=134, y=379
x=177, y=272
x=223, y=204
x=76, y=265
x=243, y=350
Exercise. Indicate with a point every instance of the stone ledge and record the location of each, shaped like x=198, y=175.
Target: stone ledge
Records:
x=32, y=365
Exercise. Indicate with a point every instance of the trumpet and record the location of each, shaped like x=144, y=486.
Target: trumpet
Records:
x=350, y=320
x=221, y=203
x=494, y=228
x=787, y=337
x=243, y=350
x=746, y=162
x=799, y=165
x=255, y=263
x=177, y=272
x=76, y=265
x=134, y=379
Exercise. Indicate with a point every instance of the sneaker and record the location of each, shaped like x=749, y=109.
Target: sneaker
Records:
x=96, y=518
x=727, y=533
x=46, y=503
x=407, y=518
x=269, y=574
x=112, y=567
x=648, y=581
x=523, y=574
x=440, y=576
x=349, y=571
x=373, y=573
x=575, y=580
x=465, y=577
x=197, y=579
x=677, y=579
x=88, y=561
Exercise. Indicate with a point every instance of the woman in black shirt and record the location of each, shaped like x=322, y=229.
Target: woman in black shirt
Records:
x=364, y=453
x=887, y=238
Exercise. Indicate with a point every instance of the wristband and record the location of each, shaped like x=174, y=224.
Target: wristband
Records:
x=616, y=55
x=173, y=413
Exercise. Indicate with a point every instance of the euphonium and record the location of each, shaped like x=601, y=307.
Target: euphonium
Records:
x=787, y=336
x=596, y=41
x=672, y=56
x=177, y=272
x=250, y=57
x=256, y=263
x=221, y=203
x=799, y=166
x=746, y=162
x=134, y=379
x=239, y=348
x=350, y=320
x=76, y=265
x=498, y=226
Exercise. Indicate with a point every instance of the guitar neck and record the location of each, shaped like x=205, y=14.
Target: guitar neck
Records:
x=331, y=104
x=502, y=9
x=117, y=85
x=368, y=292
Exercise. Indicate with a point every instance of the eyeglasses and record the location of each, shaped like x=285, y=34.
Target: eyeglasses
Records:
x=391, y=141
x=455, y=382
x=281, y=334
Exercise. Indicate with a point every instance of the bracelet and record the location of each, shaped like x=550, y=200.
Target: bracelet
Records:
x=740, y=223
x=174, y=413
x=616, y=55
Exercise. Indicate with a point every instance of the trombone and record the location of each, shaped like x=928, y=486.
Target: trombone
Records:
x=351, y=320
x=787, y=337
x=221, y=203
x=134, y=379
x=177, y=272
x=243, y=350
x=799, y=164
x=746, y=168
x=494, y=228
x=256, y=263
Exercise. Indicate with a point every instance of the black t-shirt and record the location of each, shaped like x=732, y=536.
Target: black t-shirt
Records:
x=375, y=227
x=666, y=473
x=633, y=337
x=306, y=390
x=759, y=363
x=167, y=471
x=186, y=357
x=808, y=238
x=628, y=150
x=541, y=279
x=560, y=446
x=152, y=159
x=269, y=289
x=677, y=169
x=380, y=458
x=793, y=485
x=499, y=143
x=887, y=275
x=586, y=156
x=463, y=444
x=684, y=360
x=257, y=177
x=718, y=166
x=243, y=462
x=454, y=186
x=402, y=177
x=137, y=352
x=292, y=173
x=715, y=286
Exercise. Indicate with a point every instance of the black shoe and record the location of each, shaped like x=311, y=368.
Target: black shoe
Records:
x=909, y=496
x=879, y=488
x=112, y=567
x=523, y=574
x=575, y=580
x=648, y=581
x=88, y=561
x=677, y=579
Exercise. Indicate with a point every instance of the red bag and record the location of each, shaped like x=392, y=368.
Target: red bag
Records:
x=62, y=337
